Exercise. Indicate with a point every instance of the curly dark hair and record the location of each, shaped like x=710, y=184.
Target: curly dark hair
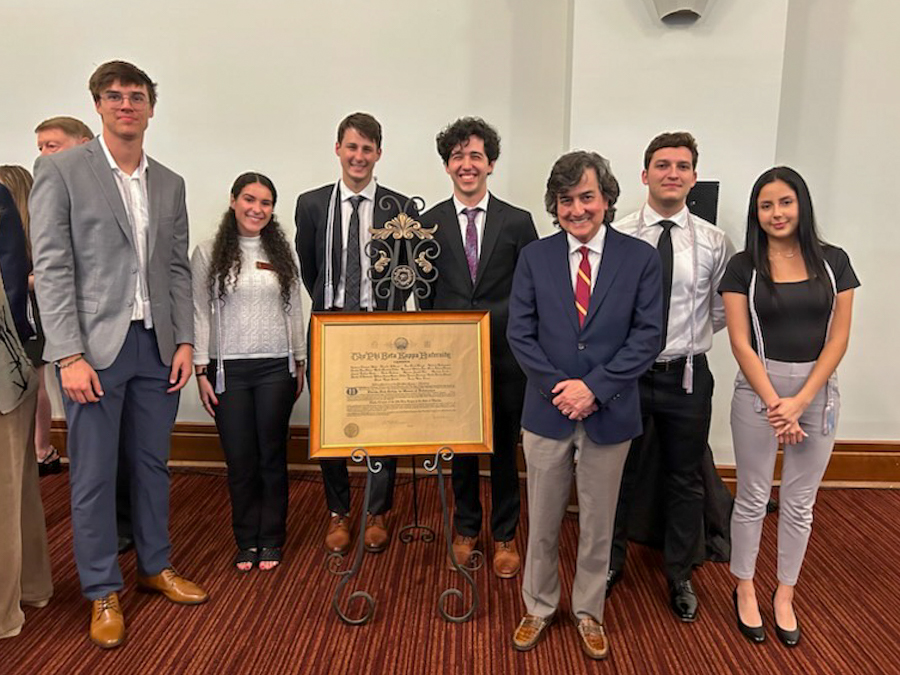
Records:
x=225, y=266
x=464, y=128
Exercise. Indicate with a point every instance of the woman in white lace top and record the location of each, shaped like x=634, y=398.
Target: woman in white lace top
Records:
x=249, y=354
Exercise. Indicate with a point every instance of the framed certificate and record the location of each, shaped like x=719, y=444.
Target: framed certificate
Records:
x=400, y=383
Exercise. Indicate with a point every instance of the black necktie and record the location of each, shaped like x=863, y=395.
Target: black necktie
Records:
x=664, y=246
x=354, y=270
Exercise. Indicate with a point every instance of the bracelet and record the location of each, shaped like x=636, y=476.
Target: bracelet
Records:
x=76, y=359
x=200, y=370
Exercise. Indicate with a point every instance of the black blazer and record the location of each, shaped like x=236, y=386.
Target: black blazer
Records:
x=310, y=217
x=507, y=230
x=14, y=263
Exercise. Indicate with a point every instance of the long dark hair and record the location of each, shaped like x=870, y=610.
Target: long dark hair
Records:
x=811, y=244
x=225, y=266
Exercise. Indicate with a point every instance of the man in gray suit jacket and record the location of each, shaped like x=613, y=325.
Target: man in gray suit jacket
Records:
x=109, y=238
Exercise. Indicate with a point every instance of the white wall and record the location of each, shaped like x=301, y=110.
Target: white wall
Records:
x=839, y=128
x=719, y=78
x=262, y=86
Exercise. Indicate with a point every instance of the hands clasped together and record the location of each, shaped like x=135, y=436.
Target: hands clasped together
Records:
x=574, y=399
x=784, y=416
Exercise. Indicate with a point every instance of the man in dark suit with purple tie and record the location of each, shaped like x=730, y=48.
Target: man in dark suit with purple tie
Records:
x=585, y=319
x=480, y=238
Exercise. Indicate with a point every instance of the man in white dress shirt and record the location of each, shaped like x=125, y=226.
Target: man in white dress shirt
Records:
x=676, y=393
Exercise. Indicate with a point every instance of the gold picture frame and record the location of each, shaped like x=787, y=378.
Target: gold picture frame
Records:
x=400, y=383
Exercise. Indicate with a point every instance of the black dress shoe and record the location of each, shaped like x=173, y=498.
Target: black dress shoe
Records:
x=683, y=600
x=789, y=638
x=125, y=544
x=612, y=578
x=755, y=634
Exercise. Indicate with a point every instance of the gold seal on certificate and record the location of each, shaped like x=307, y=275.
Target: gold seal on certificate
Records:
x=400, y=383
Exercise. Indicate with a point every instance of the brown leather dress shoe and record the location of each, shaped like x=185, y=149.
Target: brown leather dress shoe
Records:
x=529, y=631
x=506, y=559
x=174, y=586
x=107, y=622
x=337, y=539
x=376, y=536
x=593, y=639
x=462, y=550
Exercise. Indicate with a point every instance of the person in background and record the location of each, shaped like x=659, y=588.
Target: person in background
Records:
x=61, y=133
x=788, y=303
x=19, y=181
x=249, y=358
x=24, y=556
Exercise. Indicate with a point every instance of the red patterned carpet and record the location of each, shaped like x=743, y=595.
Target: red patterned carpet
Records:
x=282, y=622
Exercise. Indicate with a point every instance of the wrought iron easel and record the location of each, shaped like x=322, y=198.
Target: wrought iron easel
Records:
x=403, y=252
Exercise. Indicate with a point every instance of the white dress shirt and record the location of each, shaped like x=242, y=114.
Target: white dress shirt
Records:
x=479, y=219
x=595, y=255
x=366, y=218
x=714, y=250
x=133, y=190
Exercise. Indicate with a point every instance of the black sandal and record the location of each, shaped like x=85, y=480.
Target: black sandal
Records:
x=270, y=554
x=50, y=464
x=245, y=555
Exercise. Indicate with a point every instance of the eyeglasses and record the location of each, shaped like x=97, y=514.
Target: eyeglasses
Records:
x=117, y=99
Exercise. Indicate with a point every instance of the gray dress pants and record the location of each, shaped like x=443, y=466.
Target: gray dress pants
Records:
x=598, y=475
x=804, y=465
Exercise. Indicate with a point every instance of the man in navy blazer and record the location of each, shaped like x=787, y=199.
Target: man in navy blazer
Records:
x=585, y=320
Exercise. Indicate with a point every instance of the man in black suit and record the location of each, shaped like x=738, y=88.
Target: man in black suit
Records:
x=333, y=224
x=480, y=238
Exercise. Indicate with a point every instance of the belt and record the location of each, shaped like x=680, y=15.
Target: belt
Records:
x=674, y=364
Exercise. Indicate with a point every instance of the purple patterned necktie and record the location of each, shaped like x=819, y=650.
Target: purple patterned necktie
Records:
x=472, y=241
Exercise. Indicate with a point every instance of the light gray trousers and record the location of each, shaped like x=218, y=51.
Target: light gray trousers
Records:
x=598, y=475
x=804, y=465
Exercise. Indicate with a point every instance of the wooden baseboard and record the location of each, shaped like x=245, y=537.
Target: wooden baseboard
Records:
x=864, y=463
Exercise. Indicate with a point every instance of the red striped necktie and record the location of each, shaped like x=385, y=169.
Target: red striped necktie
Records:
x=583, y=286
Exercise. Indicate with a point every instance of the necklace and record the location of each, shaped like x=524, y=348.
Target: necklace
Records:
x=792, y=254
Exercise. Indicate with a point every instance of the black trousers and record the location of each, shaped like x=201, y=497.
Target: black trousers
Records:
x=682, y=425
x=252, y=418
x=505, y=499
x=336, y=478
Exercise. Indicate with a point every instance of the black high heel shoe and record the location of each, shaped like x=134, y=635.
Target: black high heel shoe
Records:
x=755, y=634
x=789, y=638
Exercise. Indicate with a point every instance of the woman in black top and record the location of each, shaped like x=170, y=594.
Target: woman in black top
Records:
x=788, y=299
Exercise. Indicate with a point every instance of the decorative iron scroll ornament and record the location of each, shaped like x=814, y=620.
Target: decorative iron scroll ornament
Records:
x=465, y=571
x=335, y=560
x=402, y=252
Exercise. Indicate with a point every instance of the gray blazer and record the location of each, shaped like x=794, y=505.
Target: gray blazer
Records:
x=85, y=261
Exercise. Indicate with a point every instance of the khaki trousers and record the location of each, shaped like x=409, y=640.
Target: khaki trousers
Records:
x=24, y=558
x=598, y=475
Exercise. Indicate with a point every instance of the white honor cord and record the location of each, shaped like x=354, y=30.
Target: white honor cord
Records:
x=216, y=307
x=828, y=416
x=687, y=381
x=329, y=246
